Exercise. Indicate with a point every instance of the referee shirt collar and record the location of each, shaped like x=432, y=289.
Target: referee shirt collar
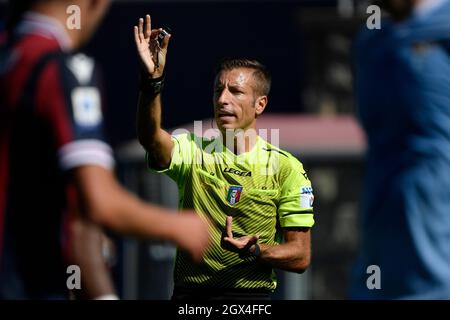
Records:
x=251, y=154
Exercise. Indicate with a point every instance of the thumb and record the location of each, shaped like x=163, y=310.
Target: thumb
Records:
x=253, y=240
x=165, y=43
x=229, y=226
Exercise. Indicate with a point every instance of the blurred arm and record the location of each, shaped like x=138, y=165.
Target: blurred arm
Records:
x=87, y=254
x=107, y=203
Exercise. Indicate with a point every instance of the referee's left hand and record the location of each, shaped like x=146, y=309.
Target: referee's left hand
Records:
x=238, y=245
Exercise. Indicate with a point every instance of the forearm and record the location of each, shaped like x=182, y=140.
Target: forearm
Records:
x=87, y=254
x=104, y=201
x=107, y=203
x=152, y=45
x=148, y=119
x=286, y=256
x=138, y=218
x=129, y=215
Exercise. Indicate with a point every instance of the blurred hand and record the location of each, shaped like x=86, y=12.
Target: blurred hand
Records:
x=194, y=234
x=152, y=55
x=238, y=245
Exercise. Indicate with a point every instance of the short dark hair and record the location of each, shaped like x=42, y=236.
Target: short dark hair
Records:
x=261, y=74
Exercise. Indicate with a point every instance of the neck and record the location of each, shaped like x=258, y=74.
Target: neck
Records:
x=240, y=141
x=56, y=10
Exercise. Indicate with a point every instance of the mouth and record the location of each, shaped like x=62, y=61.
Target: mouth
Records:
x=225, y=114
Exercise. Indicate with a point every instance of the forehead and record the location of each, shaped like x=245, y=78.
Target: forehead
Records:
x=237, y=76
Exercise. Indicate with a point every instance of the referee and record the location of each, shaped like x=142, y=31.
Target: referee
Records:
x=257, y=197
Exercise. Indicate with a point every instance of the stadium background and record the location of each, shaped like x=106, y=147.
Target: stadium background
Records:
x=307, y=47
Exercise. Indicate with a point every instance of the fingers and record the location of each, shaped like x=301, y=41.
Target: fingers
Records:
x=165, y=43
x=141, y=29
x=148, y=26
x=154, y=33
x=136, y=35
x=238, y=244
x=229, y=227
x=144, y=32
x=233, y=242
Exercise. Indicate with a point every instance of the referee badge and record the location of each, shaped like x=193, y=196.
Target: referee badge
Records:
x=234, y=194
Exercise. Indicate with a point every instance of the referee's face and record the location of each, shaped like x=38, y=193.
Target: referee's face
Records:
x=236, y=102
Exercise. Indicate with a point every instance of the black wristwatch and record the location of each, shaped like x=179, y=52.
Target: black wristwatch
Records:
x=256, y=252
x=152, y=86
x=251, y=253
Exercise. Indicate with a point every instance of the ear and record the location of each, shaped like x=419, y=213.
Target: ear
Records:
x=260, y=105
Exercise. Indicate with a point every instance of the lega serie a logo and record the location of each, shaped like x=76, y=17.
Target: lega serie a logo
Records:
x=306, y=197
x=239, y=173
x=234, y=194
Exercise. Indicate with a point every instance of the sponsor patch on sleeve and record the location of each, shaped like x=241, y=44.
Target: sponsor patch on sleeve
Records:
x=306, y=197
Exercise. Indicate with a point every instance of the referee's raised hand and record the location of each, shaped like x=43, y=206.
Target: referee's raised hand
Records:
x=151, y=52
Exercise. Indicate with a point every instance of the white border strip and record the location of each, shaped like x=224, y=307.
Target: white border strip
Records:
x=86, y=152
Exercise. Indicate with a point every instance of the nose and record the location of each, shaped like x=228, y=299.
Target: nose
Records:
x=223, y=97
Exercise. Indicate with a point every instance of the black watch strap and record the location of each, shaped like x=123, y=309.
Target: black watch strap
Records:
x=256, y=252
x=152, y=86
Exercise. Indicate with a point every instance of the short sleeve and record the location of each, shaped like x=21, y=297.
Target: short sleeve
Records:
x=296, y=198
x=69, y=94
x=183, y=157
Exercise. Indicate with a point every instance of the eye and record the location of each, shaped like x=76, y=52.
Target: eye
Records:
x=236, y=91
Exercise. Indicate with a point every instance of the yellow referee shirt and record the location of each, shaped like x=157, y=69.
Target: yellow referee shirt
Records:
x=264, y=190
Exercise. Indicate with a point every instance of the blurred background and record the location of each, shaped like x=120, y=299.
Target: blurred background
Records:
x=307, y=47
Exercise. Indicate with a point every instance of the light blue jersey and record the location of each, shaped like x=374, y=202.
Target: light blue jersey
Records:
x=402, y=85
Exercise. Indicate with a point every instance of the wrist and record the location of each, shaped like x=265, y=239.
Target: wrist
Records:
x=253, y=251
x=151, y=84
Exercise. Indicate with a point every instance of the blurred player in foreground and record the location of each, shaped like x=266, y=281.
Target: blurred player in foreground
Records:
x=253, y=193
x=56, y=170
x=403, y=95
